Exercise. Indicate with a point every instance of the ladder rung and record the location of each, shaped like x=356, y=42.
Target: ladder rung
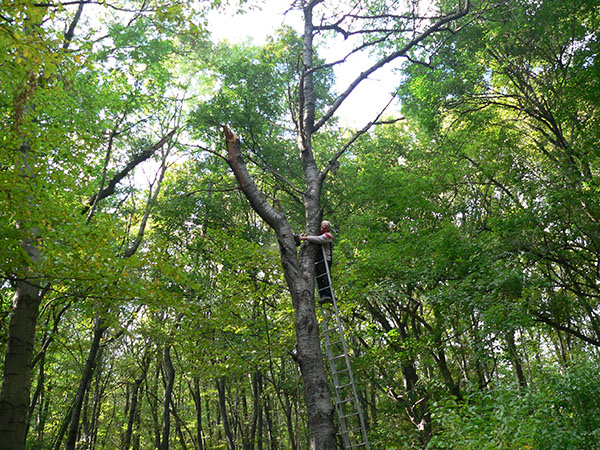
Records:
x=354, y=431
x=343, y=355
x=361, y=444
x=342, y=386
x=351, y=415
x=346, y=400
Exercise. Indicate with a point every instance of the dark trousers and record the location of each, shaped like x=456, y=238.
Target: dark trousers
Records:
x=323, y=287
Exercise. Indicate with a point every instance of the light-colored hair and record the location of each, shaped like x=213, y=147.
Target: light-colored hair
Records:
x=326, y=224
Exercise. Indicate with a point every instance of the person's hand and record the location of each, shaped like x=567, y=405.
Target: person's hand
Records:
x=303, y=237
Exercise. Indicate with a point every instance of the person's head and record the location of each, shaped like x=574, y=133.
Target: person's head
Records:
x=325, y=226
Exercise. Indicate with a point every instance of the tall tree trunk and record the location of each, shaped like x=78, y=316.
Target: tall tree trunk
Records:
x=40, y=359
x=16, y=381
x=198, y=403
x=135, y=445
x=515, y=359
x=257, y=426
x=210, y=428
x=62, y=430
x=99, y=329
x=270, y=430
x=43, y=414
x=439, y=357
x=133, y=407
x=224, y=416
x=169, y=382
x=288, y=408
x=299, y=277
x=38, y=395
x=101, y=379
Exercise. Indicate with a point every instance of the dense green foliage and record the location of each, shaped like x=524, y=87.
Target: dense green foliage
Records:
x=467, y=251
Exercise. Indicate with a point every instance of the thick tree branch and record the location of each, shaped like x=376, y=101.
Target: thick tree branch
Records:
x=143, y=156
x=240, y=170
x=548, y=321
x=71, y=31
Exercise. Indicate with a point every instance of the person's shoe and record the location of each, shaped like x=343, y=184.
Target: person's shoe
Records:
x=325, y=300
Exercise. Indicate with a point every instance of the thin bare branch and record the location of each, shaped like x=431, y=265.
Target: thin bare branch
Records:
x=152, y=196
x=333, y=161
x=382, y=62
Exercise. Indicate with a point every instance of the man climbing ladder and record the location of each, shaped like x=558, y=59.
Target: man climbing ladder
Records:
x=353, y=432
x=325, y=240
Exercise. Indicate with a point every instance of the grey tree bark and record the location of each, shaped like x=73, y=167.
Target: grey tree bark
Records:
x=16, y=381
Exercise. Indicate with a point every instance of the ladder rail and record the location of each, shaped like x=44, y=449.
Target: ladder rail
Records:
x=351, y=397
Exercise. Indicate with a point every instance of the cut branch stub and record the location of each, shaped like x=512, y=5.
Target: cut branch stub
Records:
x=234, y=154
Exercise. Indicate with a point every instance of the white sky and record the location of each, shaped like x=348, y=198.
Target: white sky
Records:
x=362, y=105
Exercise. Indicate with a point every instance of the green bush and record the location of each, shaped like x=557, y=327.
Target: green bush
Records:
x=559, y=411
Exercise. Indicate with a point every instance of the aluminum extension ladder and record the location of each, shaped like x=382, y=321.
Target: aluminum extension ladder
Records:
x=347, y=405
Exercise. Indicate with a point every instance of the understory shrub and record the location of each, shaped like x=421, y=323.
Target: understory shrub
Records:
x=560, y=410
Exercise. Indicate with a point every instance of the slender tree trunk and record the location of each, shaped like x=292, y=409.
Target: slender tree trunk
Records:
x=258, y=411
x=243, y=423
x=224, y=416
x=169, y=381
x=135, y=445
x=270, y=429
x=83, y=441
x=440, y=359
x=198, y=403
x=133, y=408
x=63, y=430
x=180, y=434
x=515, y=359
x=40, y=358
x=209, y=421
x=102, y=377
x=288, y=408
x=99, y=329
x=42, y=415
x=38, y=395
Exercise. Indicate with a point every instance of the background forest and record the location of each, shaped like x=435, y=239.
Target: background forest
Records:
x=144, y=298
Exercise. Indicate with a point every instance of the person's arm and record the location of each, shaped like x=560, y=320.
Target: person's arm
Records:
x=324, y=238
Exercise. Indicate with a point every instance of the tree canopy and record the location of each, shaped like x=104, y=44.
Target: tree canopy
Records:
x=152, y=181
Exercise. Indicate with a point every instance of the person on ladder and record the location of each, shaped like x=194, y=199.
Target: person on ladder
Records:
x=325, y=241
